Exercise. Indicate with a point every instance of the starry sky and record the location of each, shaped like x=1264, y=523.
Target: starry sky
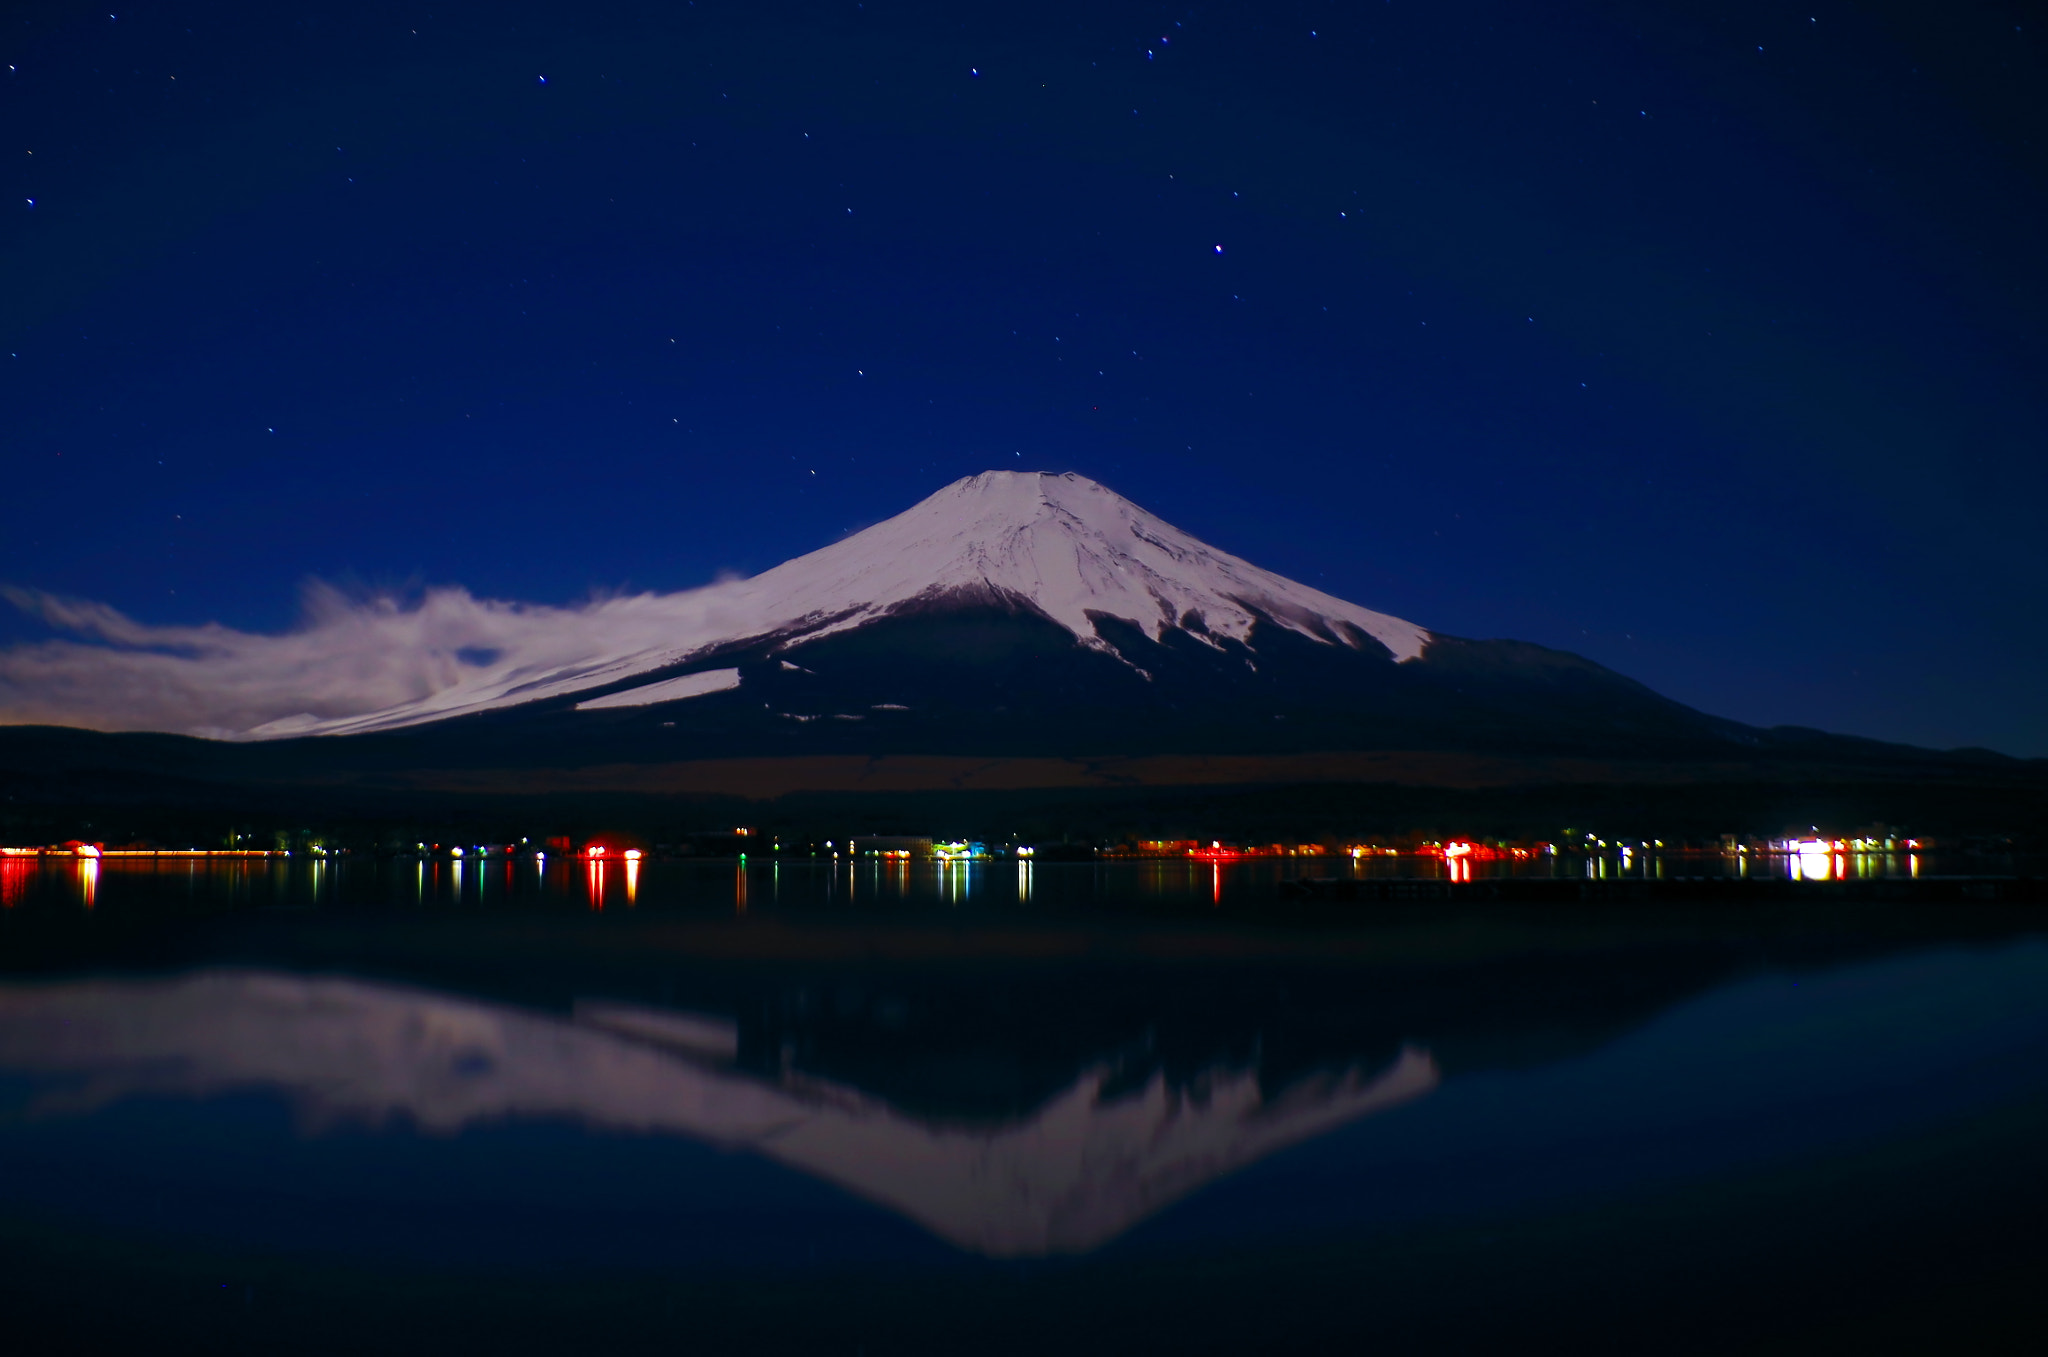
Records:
x=1704, y=339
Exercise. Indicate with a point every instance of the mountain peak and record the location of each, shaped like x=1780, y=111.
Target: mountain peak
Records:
x=1071, y=548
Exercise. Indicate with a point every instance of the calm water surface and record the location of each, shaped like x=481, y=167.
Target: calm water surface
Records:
x=709, y=1107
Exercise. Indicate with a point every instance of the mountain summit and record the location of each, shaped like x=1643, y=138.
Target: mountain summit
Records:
x=1068, y=548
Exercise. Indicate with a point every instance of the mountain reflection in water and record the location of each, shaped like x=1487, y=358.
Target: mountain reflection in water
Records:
x=339, y=1111
x=1079, y=1171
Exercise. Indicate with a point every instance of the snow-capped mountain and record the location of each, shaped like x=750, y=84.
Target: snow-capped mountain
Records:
x=1012, y=635
x=1060, y=548
x=1013, y=631
x=1009, y=615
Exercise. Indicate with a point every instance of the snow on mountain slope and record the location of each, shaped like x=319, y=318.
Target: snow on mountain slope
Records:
x=1063, y=546
x=668, y=690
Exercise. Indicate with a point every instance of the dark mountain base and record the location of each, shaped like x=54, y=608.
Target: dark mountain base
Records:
x=981, y=719
x=984, y=681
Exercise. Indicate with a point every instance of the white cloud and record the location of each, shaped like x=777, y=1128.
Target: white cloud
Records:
x=383, y=660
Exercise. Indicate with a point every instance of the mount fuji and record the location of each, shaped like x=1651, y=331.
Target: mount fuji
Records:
x=1023, y=613
x=1054, y=549
x=1012, y=633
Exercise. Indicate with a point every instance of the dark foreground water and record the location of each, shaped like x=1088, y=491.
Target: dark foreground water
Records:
x=382, y=1108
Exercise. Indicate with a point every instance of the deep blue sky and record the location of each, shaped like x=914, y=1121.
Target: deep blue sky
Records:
x=1704, y=339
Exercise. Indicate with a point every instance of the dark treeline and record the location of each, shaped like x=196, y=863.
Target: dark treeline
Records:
x=118, y=811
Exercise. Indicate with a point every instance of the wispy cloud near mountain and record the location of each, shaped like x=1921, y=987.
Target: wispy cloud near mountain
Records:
x=347, y=656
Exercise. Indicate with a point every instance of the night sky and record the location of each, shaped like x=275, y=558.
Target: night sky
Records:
x=1703, y=339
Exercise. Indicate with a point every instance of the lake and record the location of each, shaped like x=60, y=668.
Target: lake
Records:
x=709, y=1106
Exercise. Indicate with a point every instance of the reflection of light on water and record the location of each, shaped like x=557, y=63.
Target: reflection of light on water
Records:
x=1813, y=862
x=739, y=887
x=1810, y=860
x=89, y=879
